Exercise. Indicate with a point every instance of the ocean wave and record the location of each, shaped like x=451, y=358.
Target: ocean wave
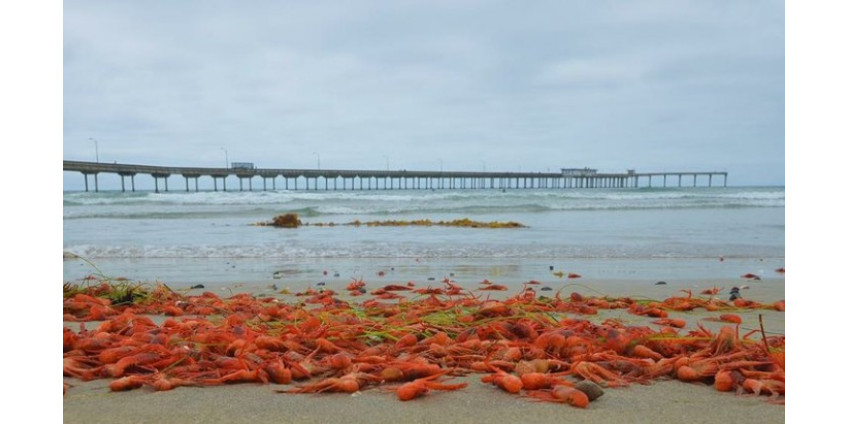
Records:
x=316, y=204
x=409, y=209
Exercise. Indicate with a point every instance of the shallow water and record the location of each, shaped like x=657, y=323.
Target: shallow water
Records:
x=626, y=234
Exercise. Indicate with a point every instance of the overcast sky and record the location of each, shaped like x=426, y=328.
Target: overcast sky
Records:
x=463, y=85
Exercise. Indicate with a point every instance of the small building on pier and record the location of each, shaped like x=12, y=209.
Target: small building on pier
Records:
x=578, y=172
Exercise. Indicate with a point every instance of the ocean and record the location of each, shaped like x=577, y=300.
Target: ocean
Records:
x=630, y=234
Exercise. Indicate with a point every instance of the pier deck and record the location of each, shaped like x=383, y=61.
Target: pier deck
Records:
x=341, y=179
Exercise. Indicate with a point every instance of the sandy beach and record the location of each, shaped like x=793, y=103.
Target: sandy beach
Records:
x=666, y=401
x=661, y=401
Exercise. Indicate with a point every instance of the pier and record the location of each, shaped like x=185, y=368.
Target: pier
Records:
x=338, y=179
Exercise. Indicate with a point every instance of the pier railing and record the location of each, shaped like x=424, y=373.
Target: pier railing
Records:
x=342, y=179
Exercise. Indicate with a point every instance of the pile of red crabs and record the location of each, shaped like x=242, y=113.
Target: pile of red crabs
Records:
x=412, y=341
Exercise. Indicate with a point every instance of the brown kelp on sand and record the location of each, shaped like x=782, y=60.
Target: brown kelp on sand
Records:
x=291, y=220
x=316, y=341
x=288, y=220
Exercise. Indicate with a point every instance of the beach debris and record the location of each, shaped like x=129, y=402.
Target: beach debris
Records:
x=463, y=222
x=546, y=288
x=592, y=390
x=734, y=294
x=751, y=276
x=197, y=286
x=574, y=275
x=546, y=349
x=780, y=270
x=558, y=274
x=660, y=283
x=288, y=220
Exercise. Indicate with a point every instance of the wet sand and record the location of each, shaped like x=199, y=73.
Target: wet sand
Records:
x=662, y=401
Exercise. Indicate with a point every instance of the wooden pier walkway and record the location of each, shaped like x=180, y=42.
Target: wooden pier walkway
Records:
x=339, y=179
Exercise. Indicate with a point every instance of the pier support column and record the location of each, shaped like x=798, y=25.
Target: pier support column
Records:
x=85, y=175
x=156, y=180
x=188, y=177
x=127, y=174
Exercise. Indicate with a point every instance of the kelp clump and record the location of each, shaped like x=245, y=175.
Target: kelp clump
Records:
x=289, y=220
x=464, y=222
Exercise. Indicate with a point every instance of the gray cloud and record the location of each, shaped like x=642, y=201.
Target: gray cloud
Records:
x=652, y=85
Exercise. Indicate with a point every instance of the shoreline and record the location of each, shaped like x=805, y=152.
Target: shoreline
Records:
x=338, y=272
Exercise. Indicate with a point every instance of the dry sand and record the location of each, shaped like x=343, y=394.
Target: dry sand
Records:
x=665, y=401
